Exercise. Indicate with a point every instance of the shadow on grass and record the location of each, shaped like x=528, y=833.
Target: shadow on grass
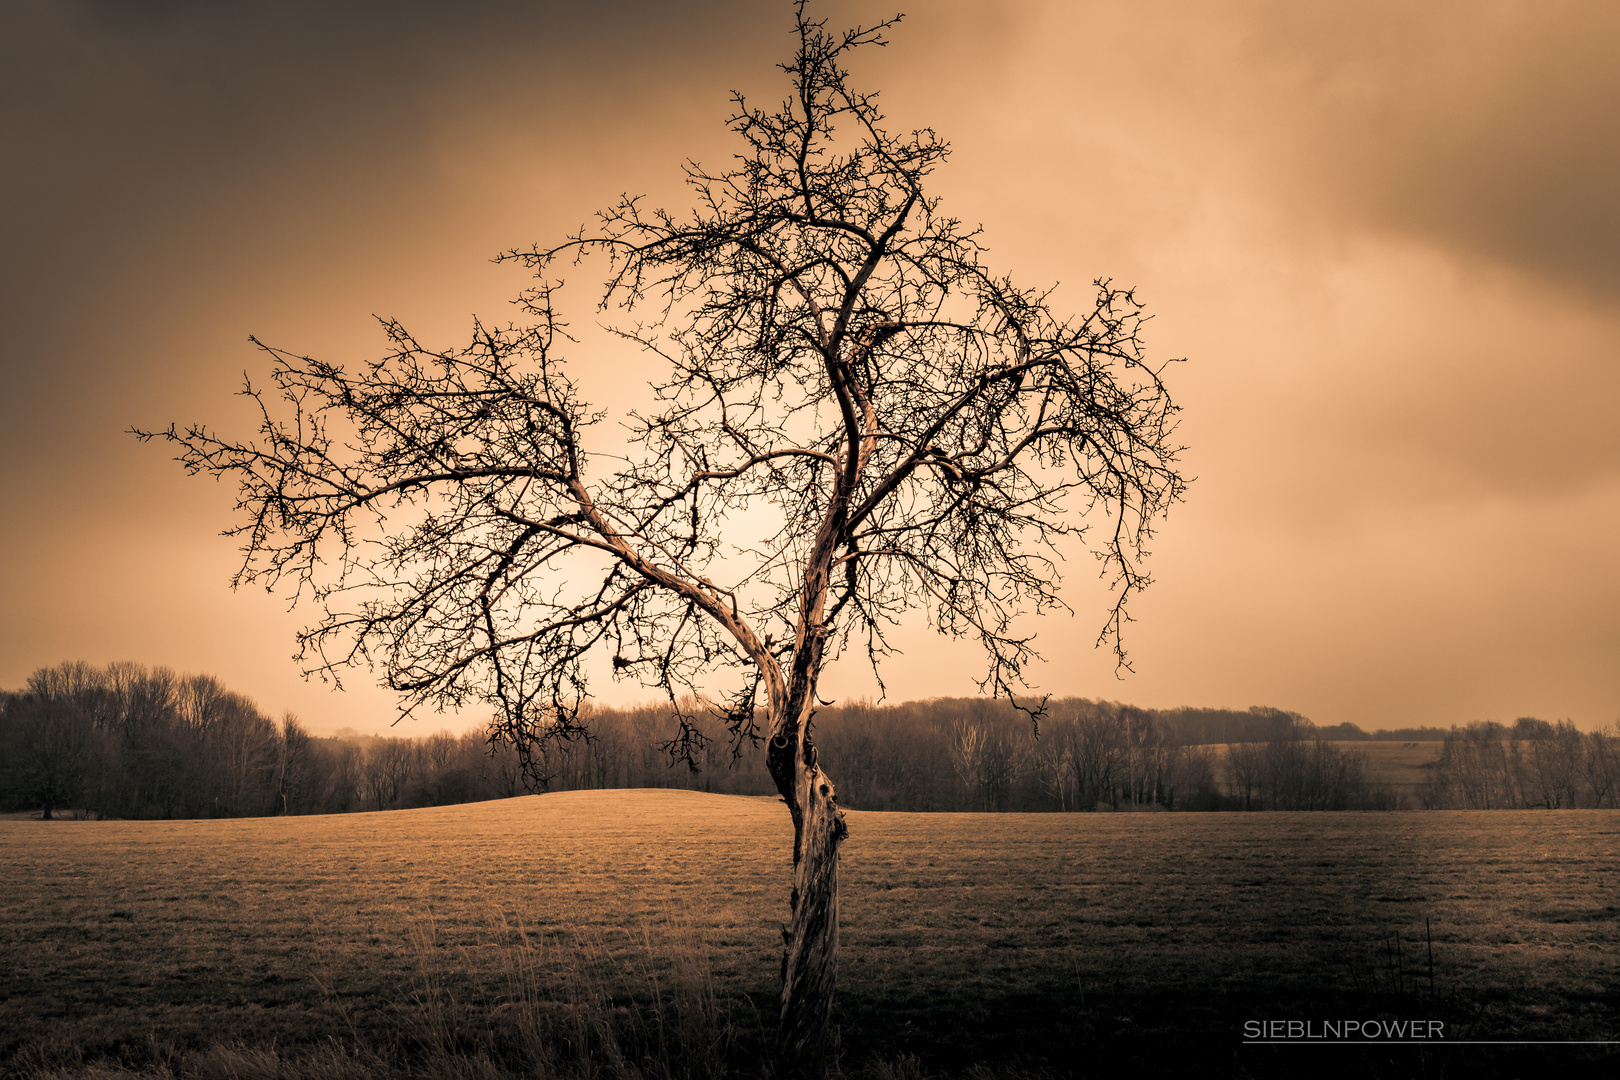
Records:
x=578, y=1007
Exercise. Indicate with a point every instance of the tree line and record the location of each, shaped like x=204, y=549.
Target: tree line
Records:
x=127, y=741
x=1533, y=764
x=983, y=755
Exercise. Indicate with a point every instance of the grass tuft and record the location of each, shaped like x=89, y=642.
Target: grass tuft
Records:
x=584, y=1007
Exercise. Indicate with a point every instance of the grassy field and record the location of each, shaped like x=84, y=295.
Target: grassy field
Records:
x=1051, y=944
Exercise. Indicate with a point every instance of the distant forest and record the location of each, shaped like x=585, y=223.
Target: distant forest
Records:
x=127, y=741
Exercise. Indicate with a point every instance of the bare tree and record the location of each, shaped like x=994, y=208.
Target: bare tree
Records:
x=1599, y=765
x=438, y=749
x=1099, y=749
x=48, y=735
x=1054, y=757
x=1246, y=773
x=294, y=766
x=967, y=751
x=922, y=431
x=388, y=768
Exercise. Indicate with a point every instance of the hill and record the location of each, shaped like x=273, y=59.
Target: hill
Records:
x=1399, y=766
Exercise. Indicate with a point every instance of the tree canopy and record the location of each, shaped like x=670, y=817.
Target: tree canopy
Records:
x=923, y=428
x=922, y=431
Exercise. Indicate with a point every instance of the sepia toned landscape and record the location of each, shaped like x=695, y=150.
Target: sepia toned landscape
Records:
x=1148, y=917
x=1019, y=540
x=383, y=944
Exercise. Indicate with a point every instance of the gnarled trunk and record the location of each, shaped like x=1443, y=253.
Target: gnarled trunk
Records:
x=810, y=940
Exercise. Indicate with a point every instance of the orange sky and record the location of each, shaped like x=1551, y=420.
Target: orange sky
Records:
x=1384, y=235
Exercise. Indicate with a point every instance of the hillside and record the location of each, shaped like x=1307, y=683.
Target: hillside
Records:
x=1399, y=765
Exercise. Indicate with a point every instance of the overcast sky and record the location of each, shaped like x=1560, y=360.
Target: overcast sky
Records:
x=1384, y=235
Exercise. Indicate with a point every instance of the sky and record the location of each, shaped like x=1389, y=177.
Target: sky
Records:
x=1383, y=236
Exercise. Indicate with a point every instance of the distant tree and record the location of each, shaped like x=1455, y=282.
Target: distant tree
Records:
x=1098, y=754
x=389, y=765
x=967, y=750
x=1547, y=762
x=921, y=431
x=345, y=776
x=1144, y=759
x=1054, y=762
x=1473, y=770
x=152, y=764
x=438, y=749
x=229, y=751
x=1191, y=779
x=296, y=768
x=1487, y=766
x=49, y=736
x=1529, y=728
x=502, y=771
x=1245, y=774
x=1411, y=734
x=1600, y=766
x=130, y=741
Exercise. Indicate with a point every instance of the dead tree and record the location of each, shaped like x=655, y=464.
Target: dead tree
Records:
x=921, y=431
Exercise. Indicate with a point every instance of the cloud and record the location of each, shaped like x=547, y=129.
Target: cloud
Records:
x=1383, y=234
x=1487, y=129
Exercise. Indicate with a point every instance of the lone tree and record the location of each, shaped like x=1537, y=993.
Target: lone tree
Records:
x=921, y=431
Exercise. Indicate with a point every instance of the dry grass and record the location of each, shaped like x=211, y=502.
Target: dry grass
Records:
x=309, y=928
x=365, y=942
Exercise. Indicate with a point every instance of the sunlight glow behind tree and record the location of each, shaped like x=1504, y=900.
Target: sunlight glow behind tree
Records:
x=923, y=430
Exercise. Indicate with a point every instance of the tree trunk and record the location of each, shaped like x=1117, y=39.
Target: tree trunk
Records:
x=810, y=940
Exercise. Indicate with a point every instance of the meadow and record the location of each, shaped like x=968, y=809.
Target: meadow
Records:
x=1021, y=944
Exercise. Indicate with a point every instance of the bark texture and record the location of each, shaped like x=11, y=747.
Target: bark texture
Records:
x=810, y=939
